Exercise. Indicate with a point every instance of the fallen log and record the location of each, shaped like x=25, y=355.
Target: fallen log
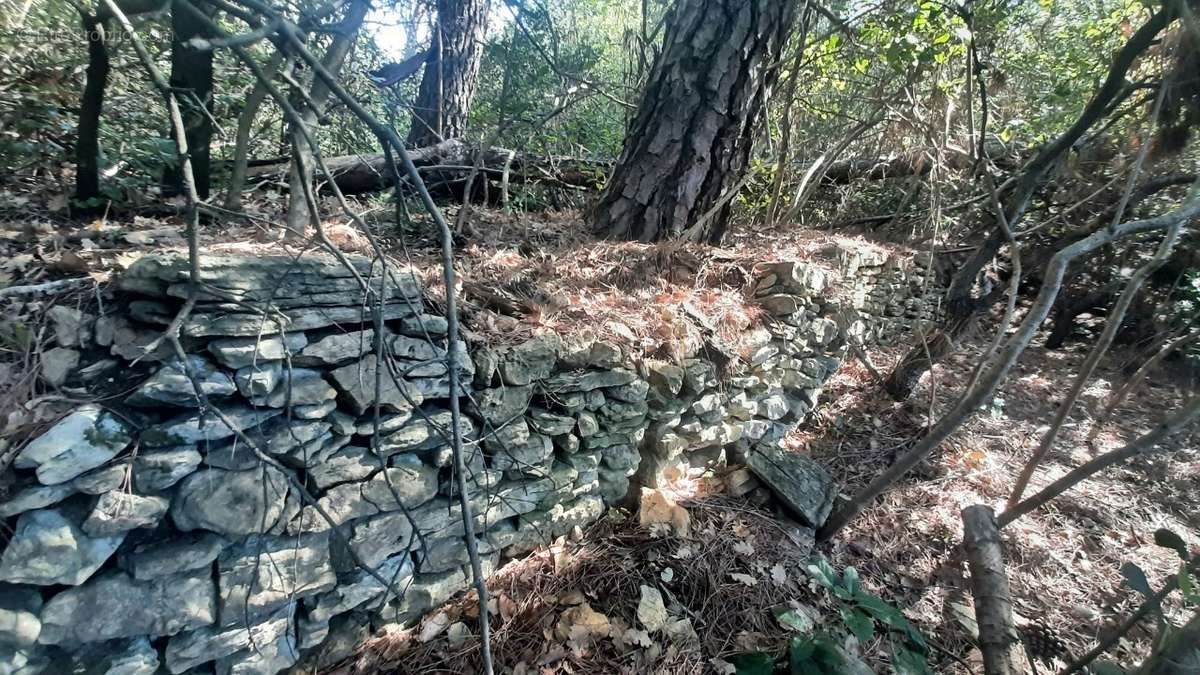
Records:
x=453, y=161
x=998, y=638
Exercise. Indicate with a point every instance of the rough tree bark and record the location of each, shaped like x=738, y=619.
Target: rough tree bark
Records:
x=690, y=141
x=192, y=76
x=998, y=638
x=451, y=70
x=298, y=215
x=91, y=106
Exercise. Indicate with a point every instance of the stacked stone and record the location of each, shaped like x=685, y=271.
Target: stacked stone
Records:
x=893, y=297
x=149, y=534
x=567, y=411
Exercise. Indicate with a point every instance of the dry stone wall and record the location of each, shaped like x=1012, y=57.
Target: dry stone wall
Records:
x=307, y=497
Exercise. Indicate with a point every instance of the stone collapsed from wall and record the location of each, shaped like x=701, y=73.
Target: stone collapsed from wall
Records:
x=148, y=531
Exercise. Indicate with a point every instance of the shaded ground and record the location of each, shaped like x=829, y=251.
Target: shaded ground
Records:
x=1064, y=560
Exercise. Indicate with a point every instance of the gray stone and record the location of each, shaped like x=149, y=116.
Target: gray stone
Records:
x=343, y=424
x=773, y=407
x=35, y=497
x=706, y=404
x=430, y=590
x=49, y=547
x=298, y=386
x=237, y=353
x=587, y=424
x=445, y=554
x=264, y=573
x=358, y=587
x=58, y=364
x=545, y=422
x=824, y=331
x=316, y=411
x=587, y=381
x=19, y=622
x=222, y=322
x=799, y=482
x=181, y=553
x=620, y=457
x=541, y=528
x=349, y=464
x=135, y=656
x=634, y=392
x=522, y=455
x=131, y=341
x=170, y=384
x=154, y=471
x=407, y=485
x=506, y=437
x=104, y=479
x=78, y=443
x=665, y=378
x=423, y=325
x=780, y=304
x=531, y=360
x=605, y=355
x=267, y=659
x=259, y=379
x=283, y=435
x=417, y=349
x=428, y=429
x=374, y=540
x=72, y=328
x=114, y=605
x=232, y=503
x=118, y=512
x=568, y=443
x=190, y=649
x=386, y=422
x=336, y=350
x=357, y=382
x=595, y=399
x=500, y=405
x=205, y=427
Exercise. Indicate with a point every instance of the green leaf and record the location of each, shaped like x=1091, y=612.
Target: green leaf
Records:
x=814, y=655
x=754, y=663
x=825, y=575
x=1135, y=578
x=795, y=620
x=1185, y=583
x=860, y=624
x=850, y=580
x=882, y=611
x=907, y=662
x=1168, y=539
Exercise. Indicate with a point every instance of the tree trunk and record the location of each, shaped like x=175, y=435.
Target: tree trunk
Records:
x=690, y=141
x=192, y=76
x=451, y=70
x=454, y=159
x=301, y=175
x=91, y=106
x=237, y=174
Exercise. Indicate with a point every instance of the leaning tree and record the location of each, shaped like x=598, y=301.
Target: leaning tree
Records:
x=451, y=70
x=691, y=138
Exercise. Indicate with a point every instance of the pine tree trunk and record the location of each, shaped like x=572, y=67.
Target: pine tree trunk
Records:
x=691, y=139
x=192, y=72
x=91, y=105
x=448, y=84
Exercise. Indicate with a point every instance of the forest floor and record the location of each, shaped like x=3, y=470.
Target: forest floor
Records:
x=575, y=607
